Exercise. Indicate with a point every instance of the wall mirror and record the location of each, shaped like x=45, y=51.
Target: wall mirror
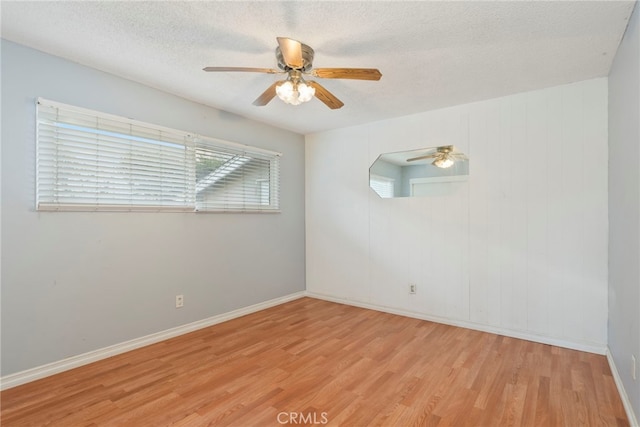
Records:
x=414, y=173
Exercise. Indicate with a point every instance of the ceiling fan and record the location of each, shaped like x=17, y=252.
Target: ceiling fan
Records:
x=296, y=60
x=444, y=157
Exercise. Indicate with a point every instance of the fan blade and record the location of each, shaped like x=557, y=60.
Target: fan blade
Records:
x=291, y=52
x=325, y=96
x=347, y=73
x=247, y=69
x=266, y=96
x=430, y=156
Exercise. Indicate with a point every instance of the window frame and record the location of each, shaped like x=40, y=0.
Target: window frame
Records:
x=242, y=149
x=191, y=141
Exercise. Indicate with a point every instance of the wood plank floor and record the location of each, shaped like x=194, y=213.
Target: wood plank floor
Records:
x=312, y=362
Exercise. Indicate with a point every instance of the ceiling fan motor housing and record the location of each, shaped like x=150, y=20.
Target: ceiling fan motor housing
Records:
x=307, y=59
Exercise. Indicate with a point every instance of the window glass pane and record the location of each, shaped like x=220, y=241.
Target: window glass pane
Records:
x=230, y=178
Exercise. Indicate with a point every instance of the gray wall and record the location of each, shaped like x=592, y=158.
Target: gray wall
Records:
x=76, y=282
x=624, y=208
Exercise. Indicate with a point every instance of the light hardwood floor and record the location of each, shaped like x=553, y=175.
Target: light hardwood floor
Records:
x=311, y=361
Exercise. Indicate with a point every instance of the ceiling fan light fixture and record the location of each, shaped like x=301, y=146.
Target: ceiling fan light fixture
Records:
x=443, y=162
x=295, y=92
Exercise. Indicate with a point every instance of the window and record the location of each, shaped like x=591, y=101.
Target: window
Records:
x=93, y=161
x=382, y=185
x=229, y=178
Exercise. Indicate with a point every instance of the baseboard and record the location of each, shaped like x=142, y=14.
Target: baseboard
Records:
x=43, y=371
x=633, y=420
x=587, y=347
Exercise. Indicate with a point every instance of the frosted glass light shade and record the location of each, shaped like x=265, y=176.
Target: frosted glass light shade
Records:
x=443, y=162
x=295, y=93
x=305, y=92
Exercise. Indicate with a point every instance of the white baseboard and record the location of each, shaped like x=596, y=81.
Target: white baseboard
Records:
x=43, y=371
x=587, y=347
x=633, y=420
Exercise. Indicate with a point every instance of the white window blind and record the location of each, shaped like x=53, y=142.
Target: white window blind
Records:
x=88, y=160
x=236, y=177
x=382, y=185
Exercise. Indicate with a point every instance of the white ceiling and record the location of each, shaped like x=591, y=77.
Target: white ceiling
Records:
x=431, y=54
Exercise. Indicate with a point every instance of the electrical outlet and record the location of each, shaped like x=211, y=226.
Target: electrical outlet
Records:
x=179, y=301
x=633, y=367
x=412, y=288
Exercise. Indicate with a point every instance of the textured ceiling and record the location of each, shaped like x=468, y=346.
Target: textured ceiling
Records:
x=431, y=54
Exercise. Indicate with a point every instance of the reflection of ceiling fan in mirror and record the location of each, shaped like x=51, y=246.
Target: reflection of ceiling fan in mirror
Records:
x=444, y=157
x=295, y=59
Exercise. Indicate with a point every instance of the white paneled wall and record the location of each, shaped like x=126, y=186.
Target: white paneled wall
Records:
x=520, y=248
